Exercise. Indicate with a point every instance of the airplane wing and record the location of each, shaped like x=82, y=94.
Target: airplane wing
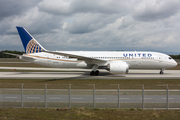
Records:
x=79, y=57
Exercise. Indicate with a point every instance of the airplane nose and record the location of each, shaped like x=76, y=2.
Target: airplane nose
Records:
x=175, y=63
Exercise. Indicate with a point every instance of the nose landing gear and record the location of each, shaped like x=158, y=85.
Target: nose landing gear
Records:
x=161, y=72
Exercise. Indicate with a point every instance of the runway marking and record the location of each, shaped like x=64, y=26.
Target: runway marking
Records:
x=123, y=98
x=32, y=97
x=146, y=98
x=54, y=98
x=11, y=97
x=166, y=98
x=100, y=98
x=76, y=98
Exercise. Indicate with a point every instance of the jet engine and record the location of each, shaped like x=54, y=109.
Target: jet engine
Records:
x=118, y=67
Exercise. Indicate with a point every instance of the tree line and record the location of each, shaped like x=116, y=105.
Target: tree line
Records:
x=175, y=56
x=2, y=55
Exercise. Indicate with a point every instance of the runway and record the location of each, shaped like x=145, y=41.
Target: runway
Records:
x=84, y=74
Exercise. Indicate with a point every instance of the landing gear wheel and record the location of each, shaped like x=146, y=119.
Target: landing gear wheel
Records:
x=94, y=73
x=161, y=72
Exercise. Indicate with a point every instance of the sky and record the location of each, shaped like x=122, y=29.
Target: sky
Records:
x=93, y=25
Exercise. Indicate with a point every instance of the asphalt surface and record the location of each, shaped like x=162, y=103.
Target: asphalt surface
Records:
x=89, y=98
x=84, y=74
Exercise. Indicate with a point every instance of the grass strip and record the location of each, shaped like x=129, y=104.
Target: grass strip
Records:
x=88, y=83
x=87, y=114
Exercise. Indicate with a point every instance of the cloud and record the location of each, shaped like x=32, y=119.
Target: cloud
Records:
x=86, y=15
x=93, y=24
x=56, y=7
x=35, y=21
x=127, y=21
x=88, y=22
x=12, y=8
x=70, y=7
x=156, y=10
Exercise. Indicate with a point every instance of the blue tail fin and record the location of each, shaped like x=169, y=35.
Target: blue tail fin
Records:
x=29, y=43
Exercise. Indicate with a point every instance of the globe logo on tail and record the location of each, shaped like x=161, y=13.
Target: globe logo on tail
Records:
x=33, y=47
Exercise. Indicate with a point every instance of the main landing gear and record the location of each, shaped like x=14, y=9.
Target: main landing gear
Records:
x=94, y=71
x=161, y=72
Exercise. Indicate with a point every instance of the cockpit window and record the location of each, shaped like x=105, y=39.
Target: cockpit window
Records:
x=170, y=58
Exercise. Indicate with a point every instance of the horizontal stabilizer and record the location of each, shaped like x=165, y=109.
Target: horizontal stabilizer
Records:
x=20, y=56
x=12, y=54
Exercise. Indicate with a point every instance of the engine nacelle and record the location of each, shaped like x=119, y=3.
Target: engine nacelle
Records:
x=118, y=67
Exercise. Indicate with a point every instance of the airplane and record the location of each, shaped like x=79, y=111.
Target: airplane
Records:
x=118, y=62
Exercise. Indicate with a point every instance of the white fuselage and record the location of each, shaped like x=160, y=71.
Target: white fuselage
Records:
x=135, y=60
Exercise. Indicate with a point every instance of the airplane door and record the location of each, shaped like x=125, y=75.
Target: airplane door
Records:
x=160, y=57
x=48, y=61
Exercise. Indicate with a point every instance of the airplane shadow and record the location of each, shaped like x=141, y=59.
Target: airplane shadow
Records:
x=86, y=75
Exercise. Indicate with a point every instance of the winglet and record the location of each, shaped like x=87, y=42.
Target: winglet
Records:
x=29, y=43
